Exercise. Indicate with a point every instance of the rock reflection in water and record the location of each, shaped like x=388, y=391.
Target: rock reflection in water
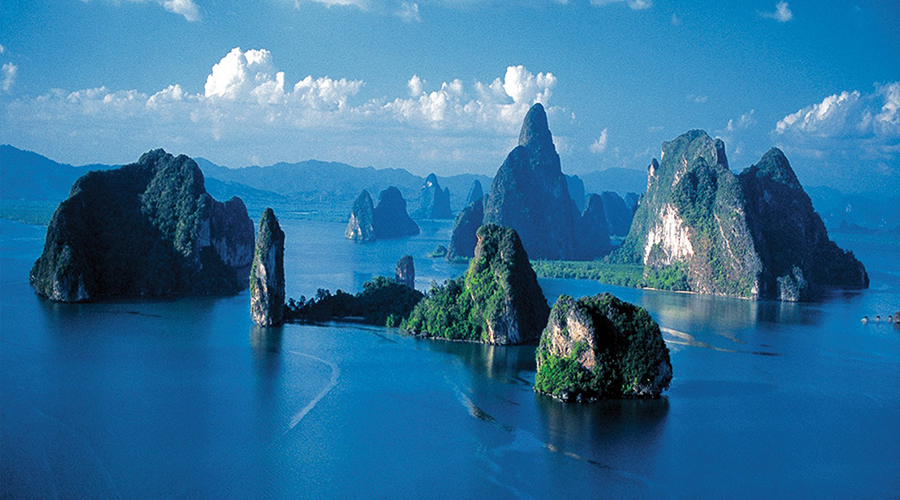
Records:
x=613, y=425
x=265, y=339
x=504, y=363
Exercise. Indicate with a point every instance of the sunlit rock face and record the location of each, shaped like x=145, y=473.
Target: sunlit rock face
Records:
x=267, y=273
x=753, y=235
x=601, y=347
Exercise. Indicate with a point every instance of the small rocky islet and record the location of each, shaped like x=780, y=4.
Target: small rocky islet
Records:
x=267, y=272
x=386, y=220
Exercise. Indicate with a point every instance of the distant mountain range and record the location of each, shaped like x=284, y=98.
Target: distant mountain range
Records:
x=32, y=185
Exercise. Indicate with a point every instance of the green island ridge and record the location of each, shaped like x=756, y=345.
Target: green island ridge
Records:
x=382, y=301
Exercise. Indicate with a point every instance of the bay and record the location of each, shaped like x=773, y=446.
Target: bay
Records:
x=185, y=398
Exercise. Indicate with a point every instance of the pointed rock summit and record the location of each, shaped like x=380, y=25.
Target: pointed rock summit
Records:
x=434, y=202
x=145, y=229
x=530, y=194
x=267, y=273
x=406, y=272
x=476, y=193
x=361, y=226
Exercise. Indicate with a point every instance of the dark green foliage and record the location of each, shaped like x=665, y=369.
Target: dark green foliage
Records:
x=136, y=230
x=447, y=312
x=671, y=277
x=438, y=252
x=788, y=232
x=498, y=284
x=630, y=357
x=382, y=301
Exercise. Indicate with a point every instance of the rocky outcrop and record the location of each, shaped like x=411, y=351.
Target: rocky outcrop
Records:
x=145, y=229
x=476, y=192
x=267, y=273
x=530, y=194
x=390, y=217
x=497, y=301
x=601, y=347
x=361, y=226
x=618, y=215
x=632, y=200
x=576, y=191
x=387, y=220
x=463, y=239
x=434, y=203
x=595, y=234
x=406, y=272
x=755, y=235
x=790, y=237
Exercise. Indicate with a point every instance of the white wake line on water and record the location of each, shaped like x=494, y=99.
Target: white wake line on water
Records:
x=335, y=375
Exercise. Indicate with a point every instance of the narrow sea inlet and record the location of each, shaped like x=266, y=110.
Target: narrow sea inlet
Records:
x=186, y=398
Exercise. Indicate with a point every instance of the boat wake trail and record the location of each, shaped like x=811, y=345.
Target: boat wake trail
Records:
x=335, y=375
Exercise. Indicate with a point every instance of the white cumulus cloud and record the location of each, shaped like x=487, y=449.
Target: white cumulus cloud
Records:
x=249, y=110
x=599, y=145
x=852, y=133
x=409, y=12
x=782, y=13
x=9, y=71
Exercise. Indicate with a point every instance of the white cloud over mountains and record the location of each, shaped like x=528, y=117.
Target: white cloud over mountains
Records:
x=849, y=135
x=247, y=102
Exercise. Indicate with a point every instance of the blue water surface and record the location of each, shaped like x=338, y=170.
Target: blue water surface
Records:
x=185, y=398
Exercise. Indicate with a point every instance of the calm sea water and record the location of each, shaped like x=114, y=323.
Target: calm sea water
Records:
x=185, y=398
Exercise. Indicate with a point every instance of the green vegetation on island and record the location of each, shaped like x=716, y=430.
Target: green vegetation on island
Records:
x=497, y=301
x=145, y=229
x=631, y=275
x=382, y=301
x=601, y=347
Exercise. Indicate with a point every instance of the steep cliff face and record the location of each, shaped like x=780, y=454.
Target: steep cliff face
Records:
x=267, y=272
x=463, y=239
x=361, y=226
x=594, y=230
x=599, y=347
x=755, y=235
x=145, y=229
x=693, y=218
x=406, y=272
x=576, y=191
x=530, y=194
x=618, y=215
x=497, y=301
x=434, y=202
x=790, y=236
x=390, y=218
x=476, y=192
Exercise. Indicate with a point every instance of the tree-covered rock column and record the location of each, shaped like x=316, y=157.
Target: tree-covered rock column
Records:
x=267, y=273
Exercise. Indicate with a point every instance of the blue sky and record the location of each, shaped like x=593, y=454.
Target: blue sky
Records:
x=443, y=85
